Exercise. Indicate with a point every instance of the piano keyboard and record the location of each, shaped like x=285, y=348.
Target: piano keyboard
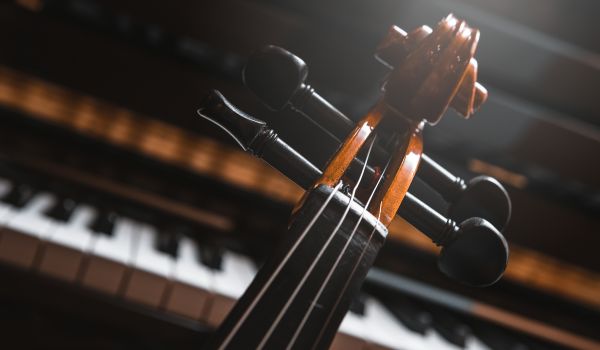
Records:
x=169, y=272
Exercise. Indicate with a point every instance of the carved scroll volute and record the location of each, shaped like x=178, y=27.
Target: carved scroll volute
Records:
x=432, y=69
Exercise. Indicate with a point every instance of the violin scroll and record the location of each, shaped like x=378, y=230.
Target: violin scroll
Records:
x=432, y=69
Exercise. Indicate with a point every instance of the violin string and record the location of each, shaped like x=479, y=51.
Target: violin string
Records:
x=364, y=250
x=330, y=272
x=346, y=285
x=279, y=268
x=316, y=260
x=324, y=129
x=339, y=298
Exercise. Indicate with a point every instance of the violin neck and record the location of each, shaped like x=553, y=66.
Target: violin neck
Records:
x=301, y=294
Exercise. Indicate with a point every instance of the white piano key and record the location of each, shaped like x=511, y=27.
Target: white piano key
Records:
x=384, y=331
x=24, y=232
x=191, y=283
x=151, y=270
x=66, y=247
x=436, y=341
x=229, y=284
x=5, y=187
x=474, y=343
x=5, y=213
x=351, y=333
x=6, y=210
x=110, y=257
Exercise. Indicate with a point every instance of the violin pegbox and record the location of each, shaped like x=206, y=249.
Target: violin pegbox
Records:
x=431, y=70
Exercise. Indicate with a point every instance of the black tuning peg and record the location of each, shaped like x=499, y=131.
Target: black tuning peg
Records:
x=485, y=197
x=255, y=137
x=275, y=76
x=244, y=129
x=482, y=196
x=473, y=252
x=477, y=256
x=278, y=78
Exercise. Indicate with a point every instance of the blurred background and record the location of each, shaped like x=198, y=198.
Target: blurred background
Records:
x=98, y=105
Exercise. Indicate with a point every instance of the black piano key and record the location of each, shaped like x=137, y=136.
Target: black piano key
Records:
x=19, y=195
x=449, y=327
x=411, y=315
x=62, y=209
x=357, y=306
x=104, y=223
x=212, y=257
x=168, y=243
x=496, y=339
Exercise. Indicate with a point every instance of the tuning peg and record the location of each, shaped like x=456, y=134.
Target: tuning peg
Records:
x=278, y=78
x=477, y=256
x=244, y=129
x=483, y=196
x=255, y=137
x=275, y=75
x=474, y=252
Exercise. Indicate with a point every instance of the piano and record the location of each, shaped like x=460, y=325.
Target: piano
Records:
x=127, y=222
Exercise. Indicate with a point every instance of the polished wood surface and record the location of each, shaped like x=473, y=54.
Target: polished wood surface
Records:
x=398, y=44
x=403, y=167
x=350, y=148
x=429, y=68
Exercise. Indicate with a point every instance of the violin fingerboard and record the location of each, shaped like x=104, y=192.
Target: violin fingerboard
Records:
x=301, y=294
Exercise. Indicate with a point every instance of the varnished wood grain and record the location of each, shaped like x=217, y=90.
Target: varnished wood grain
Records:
x=351, y=146
x=402, y=171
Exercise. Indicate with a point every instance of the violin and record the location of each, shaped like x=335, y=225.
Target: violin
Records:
x=302, y=292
